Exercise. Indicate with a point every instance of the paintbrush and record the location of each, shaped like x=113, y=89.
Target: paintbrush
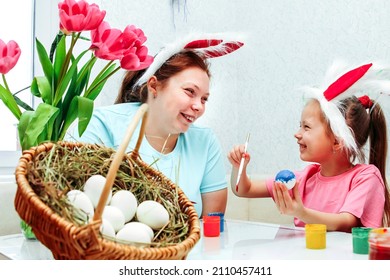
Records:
x=242, y=162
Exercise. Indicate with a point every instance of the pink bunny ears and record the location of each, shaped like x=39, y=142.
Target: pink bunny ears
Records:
x=207, y=45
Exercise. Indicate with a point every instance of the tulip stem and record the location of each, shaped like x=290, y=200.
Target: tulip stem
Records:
x=5, y=82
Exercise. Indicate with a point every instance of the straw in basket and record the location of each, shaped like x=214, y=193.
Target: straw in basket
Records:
x=67, y=240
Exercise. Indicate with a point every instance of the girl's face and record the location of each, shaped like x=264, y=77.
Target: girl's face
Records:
x=182, y=100
x=315, y=142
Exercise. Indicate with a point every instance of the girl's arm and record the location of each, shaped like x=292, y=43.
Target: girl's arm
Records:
x=293, y=206
x=246, y=187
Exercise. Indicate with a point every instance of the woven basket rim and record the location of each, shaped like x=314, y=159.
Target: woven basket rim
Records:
x=27, y=202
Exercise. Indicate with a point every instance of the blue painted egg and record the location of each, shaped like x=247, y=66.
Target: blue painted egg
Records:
x=287, y=177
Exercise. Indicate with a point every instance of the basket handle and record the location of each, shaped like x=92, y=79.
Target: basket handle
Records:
x=118, y=157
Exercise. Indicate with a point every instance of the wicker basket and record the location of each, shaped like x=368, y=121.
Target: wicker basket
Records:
x=69, y=241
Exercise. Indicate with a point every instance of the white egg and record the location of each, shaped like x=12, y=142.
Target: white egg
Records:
x=93, y=188
x=141, y=226
x=134, y=232
x=152, y=214
x=80, y=200
x=114, y=216
x=287, y=177
x=107, y=229
x=126, y=202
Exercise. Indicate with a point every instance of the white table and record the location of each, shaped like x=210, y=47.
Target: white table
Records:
x=241, y=240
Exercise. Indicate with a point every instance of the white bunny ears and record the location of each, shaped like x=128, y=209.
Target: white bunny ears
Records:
x=342, y=82
x=208, y=45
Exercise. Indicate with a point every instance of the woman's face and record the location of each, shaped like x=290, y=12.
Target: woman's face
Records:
x=182, y=100
x=315, y=142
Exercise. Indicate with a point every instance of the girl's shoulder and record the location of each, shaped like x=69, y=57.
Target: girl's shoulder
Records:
x=363, y=170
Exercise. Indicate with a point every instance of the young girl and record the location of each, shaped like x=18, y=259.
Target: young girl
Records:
x=338, y=189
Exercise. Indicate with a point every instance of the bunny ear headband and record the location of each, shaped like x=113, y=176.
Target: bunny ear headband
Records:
x=207, y=45
x=365, y=79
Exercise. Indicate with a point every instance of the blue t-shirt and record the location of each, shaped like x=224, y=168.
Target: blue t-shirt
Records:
x=195, y=165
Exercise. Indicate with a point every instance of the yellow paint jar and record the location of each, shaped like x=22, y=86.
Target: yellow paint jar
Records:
x=315, y=236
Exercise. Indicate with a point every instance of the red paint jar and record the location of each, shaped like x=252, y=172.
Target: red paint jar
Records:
x=211, y=226
x=379, y=242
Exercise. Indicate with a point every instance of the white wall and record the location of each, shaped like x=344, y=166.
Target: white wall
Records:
x=288, y=44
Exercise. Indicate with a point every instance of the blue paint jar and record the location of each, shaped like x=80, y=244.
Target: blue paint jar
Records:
x=222, y=219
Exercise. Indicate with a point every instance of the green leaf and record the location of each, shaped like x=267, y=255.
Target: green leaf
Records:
x=22, y=126
x=37, y=124
x=60, y=54
x=85, y=73
x=23, y=104
x=81, y=108
x=10, y=102
x=34, y=88
x=97, y=85
x=85, y=110
x=92, y=94
x=74, y=89
x=63, y=84
x=42, y=88
x=47, y=67
x=55, y=43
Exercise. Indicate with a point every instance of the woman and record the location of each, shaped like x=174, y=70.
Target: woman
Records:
x=176, y=88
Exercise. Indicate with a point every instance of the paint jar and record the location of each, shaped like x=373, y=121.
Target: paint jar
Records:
x=315, y=236
x=360, y=240
x=211, y=226
x=222, y=219
x=379, y=244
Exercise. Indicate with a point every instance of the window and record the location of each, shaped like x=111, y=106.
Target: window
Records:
x=18, y=28
x=21, y=21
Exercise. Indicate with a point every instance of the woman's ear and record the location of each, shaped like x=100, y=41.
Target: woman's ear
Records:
x=152, y=85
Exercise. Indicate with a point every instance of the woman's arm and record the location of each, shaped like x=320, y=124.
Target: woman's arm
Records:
x=214, y=201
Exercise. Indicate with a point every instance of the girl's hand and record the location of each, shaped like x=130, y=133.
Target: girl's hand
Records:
x=287, y=204
x=235, y=155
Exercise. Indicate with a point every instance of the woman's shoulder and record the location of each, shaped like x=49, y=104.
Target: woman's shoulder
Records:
x=123, y=109
x=200, y=129
x=197, y=132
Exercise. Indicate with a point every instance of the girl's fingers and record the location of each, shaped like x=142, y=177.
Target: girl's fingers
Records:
x=236, y=154
x=279, y=197
x=296, y=194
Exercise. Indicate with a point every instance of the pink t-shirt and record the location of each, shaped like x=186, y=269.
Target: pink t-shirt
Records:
x=359, y=191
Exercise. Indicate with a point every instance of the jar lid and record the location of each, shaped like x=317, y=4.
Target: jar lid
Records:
x=315, y=227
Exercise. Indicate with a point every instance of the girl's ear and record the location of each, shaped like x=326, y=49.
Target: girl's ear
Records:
x=337, y=145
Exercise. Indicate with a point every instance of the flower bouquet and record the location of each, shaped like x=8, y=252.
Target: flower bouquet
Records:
x=68, y=88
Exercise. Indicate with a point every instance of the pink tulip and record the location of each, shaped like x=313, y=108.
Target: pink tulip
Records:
x=136, y=59
x=111, y=44
x=107, y=42
x=135, y=55
x=132, y=32
x=79, y=16
x=9, y=56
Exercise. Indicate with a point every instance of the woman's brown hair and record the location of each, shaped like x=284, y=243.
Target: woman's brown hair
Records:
x=175, y=64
